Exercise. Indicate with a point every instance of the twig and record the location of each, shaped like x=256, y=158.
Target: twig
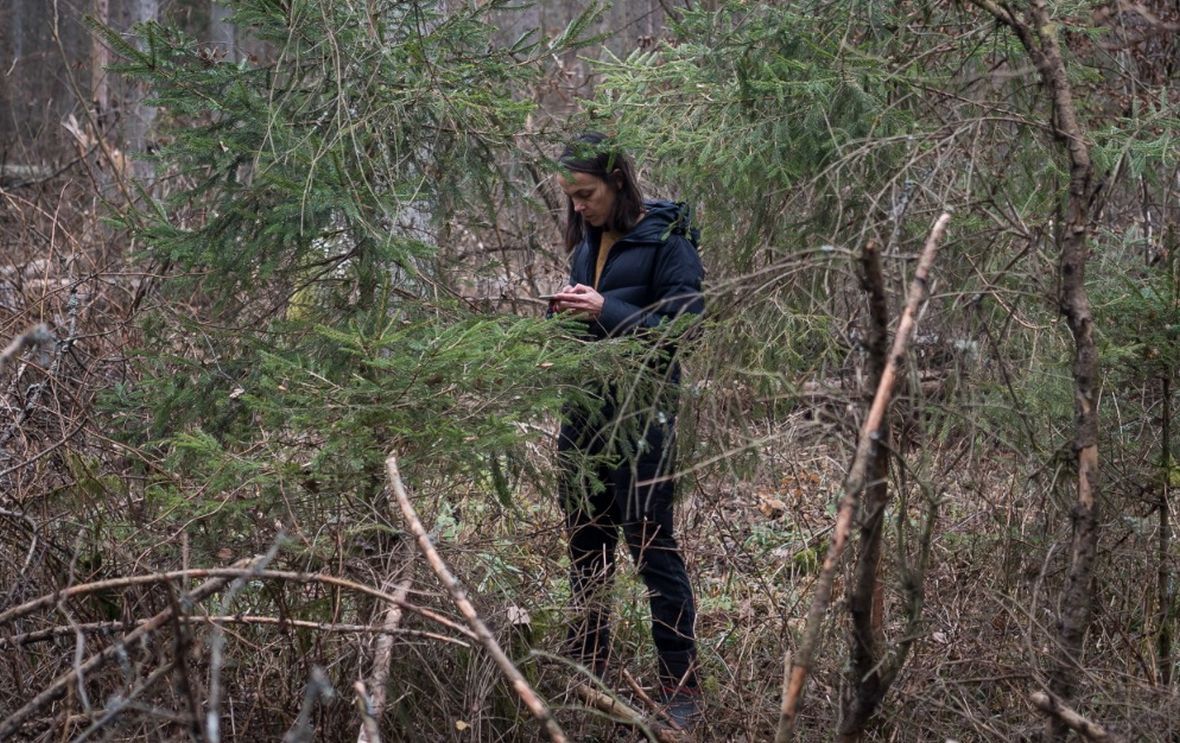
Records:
x=47, y=450
x=60, y=348
x=1163, y=552
x=1051, y=706
x=638, y=691
x=119, y=703
x=61, y=683
x=644, y=697
x=231, y=572
x=32, y=533
x=182, y=646
x=459, y=596
x=853, y=484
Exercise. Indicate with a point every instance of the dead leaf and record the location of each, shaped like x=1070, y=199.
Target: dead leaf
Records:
x=518, y=616
x=771, y=507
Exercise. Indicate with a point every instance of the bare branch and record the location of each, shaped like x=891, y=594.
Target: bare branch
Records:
x=217, y=644
x=382, y=657
x=853, y=485
x=59, y=686
x=1054, y=708
x=50, y=633
x=370, y=733
x=459, y=596
x=318, y=688
x=37, y=336
x=231, y=572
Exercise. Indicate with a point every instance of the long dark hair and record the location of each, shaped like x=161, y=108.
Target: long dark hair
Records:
x=593, y=153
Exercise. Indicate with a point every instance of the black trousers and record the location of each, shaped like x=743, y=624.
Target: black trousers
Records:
x=635, y=499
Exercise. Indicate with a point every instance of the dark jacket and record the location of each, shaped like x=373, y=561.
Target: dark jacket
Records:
x=653, y=273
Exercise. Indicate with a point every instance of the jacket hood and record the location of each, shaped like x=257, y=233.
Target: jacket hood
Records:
x=664, y=218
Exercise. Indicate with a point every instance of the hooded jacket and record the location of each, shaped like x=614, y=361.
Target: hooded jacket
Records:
x=653, y=273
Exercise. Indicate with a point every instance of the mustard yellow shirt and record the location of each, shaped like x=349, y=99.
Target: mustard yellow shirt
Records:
x=606, y=242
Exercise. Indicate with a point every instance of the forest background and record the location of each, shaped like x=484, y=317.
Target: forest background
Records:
x=250, y=250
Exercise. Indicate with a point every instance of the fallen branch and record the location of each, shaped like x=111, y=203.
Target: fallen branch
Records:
x=1055, y=709
x=50, y=633
x=623, y=713
x=459, y=596
x=796, y=673
x=138, y=580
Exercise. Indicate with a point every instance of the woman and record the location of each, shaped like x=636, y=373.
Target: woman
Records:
x=634, y=266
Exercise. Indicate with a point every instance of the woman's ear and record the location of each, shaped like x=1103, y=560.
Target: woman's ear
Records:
x=617, y=176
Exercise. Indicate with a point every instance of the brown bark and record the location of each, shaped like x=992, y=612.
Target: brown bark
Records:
x=864, y=688
x=797, y=671
x=1038, y=35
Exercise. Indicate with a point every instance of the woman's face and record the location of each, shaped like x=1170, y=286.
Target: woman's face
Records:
x=592, y=197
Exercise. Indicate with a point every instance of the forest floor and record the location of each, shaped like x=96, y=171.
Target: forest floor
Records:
x=754, y=541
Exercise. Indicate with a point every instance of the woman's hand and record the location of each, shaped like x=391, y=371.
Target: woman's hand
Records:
x=579, y=299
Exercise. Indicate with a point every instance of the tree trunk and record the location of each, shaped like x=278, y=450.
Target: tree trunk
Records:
x=1038, y=35
x=139, y=117
x=865, y=598
x=1076, y=600
x=100, y=58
